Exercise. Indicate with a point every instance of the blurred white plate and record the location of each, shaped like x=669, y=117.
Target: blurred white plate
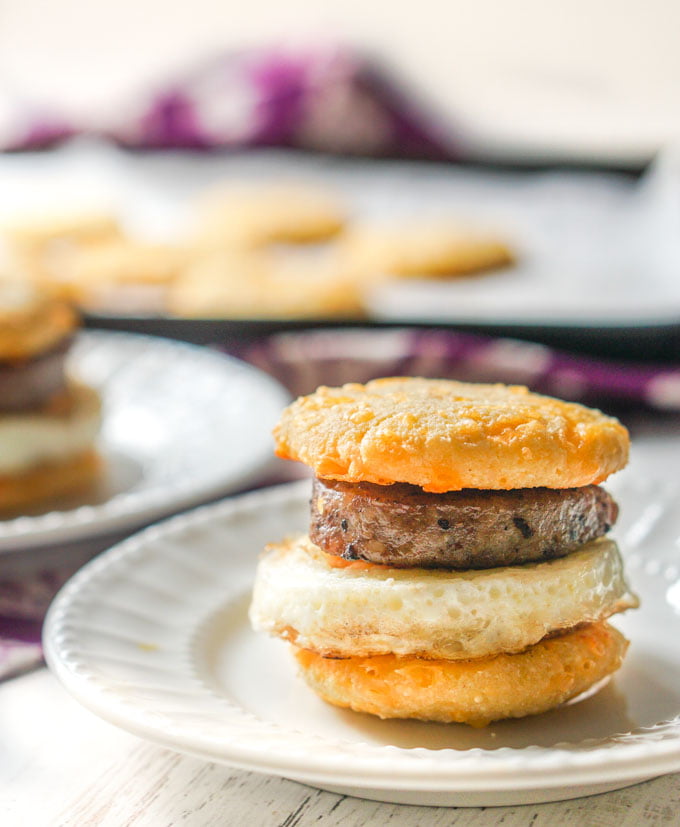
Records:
x=181, y=424
x=153, y=636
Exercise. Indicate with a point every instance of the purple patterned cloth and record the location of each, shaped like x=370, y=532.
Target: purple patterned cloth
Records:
x=20, y=649
x=323, y=99
x=29, y=579
x=304, y=360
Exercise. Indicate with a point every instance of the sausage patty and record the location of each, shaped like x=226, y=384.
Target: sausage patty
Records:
x=27, y=384
x=401, y=525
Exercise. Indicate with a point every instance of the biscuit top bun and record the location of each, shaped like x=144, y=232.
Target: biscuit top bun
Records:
x=31, y=322
x=445, y=436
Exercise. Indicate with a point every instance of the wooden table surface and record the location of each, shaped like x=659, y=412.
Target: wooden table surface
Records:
x=61, y=765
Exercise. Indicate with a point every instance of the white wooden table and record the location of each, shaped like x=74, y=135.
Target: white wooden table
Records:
x=61, y=765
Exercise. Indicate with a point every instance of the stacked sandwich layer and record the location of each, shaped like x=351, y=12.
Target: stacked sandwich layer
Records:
x=456, y=567
x=48, y=423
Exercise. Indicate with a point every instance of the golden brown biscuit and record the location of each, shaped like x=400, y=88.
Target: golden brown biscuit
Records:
x=49, y=481
x=117, y=262
x=39, y=230
x=31, y=322
x=32, y=244
x=444, y=435
x=250, y=285
x=474, y=692
x=251, y=217
x=424, y=251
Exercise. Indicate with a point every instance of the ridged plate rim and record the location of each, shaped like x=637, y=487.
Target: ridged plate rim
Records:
x=265, y=746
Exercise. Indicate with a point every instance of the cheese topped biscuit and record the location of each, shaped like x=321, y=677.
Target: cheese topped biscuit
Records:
x=474, y=692
x=444, y=435
x=31, y=322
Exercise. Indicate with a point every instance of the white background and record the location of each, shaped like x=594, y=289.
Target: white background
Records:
x=594, y=78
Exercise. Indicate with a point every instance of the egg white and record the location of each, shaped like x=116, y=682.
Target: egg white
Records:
x=436, y=613
x=31, y=439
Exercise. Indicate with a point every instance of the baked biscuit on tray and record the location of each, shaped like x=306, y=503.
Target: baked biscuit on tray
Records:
x=419, y=250
x=37, y=231
x=457, y=568
x=255, y=285
x=240, y=216
x=92, y=259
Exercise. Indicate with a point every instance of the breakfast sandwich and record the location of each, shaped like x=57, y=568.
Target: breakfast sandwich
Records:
x=457, y=567
x=48, y=421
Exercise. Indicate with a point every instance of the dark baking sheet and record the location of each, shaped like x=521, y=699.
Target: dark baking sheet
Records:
x=652, y=343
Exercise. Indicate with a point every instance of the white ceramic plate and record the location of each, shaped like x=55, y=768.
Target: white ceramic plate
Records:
x=154, y=637
x=181, y=424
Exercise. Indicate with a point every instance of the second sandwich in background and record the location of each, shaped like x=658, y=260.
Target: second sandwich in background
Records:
x=49, y=421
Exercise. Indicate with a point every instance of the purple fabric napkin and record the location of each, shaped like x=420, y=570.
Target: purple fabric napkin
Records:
x=29, y=579
x=327, y=99
x=20, y=649
x=304, y=360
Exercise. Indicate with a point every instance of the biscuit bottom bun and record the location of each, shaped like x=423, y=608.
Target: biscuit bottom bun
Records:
x=50, y=481
x=473, y=692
